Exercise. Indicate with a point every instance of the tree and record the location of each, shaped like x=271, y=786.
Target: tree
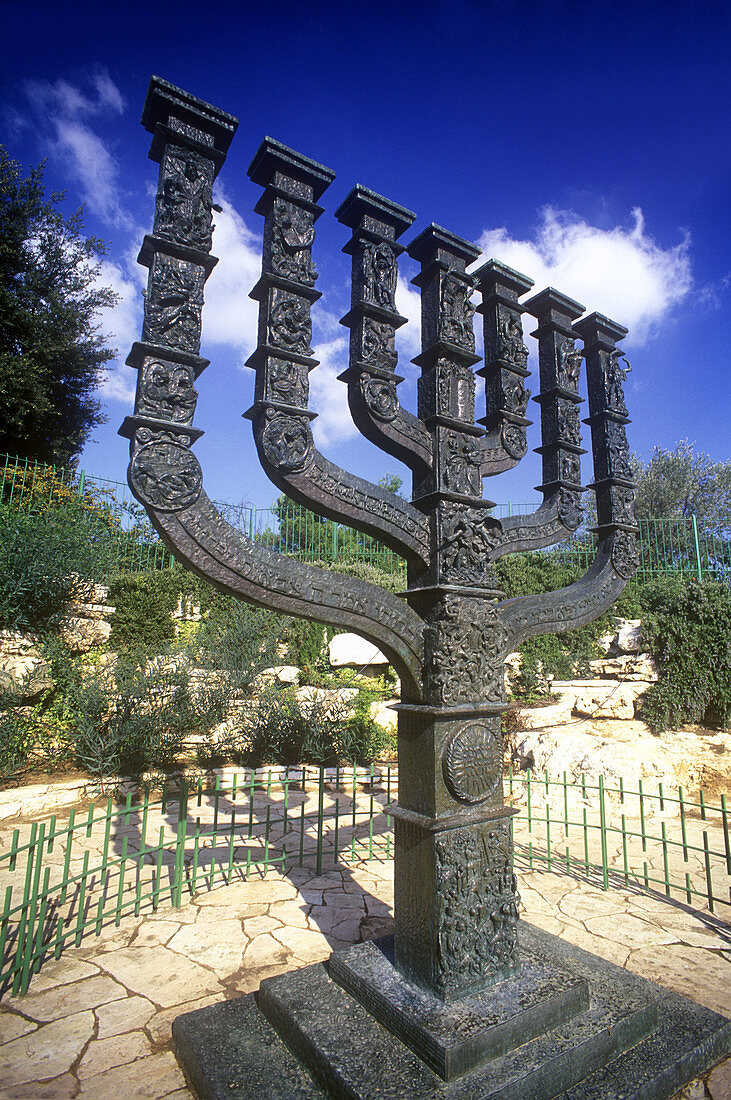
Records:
x=51, y=350
x=683, y=482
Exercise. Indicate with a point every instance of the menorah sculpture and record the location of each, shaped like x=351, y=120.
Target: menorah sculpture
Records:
x=456, y=902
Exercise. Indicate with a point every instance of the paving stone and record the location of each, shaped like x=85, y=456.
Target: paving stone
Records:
x=719, y=1081
x=290, y=912
x=340, y=899
x=160, y=975
x=305, y=945
x=65, y=1000
x=60, y=1088
x=104, y=1054
x=255, y=926
x=154, y=1077
x=47, y=1052
x=628, y=929
x=247, y=893
x=221, y=951
x=61, y=972
x=153, y=933
x=701, y=975
x=12, y=1027
x=119, y=1016
x=159, y=1025
x=264, y=950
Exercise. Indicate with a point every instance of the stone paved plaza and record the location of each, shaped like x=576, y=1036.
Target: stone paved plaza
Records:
x=96, y=1022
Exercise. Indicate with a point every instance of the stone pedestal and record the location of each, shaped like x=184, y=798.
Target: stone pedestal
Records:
x=569, y=1025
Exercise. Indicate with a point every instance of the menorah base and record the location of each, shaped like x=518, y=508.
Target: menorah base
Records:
x=305, y=1036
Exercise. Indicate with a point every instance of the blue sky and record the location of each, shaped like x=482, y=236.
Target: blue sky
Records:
x=584, y=144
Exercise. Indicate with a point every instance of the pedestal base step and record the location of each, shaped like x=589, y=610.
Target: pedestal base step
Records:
x=634, y=1040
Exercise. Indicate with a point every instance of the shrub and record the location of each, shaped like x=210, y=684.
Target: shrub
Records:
x=46, y=559
x=688, y=627
x=144, y=605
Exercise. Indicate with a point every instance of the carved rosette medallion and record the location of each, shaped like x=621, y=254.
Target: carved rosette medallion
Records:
x=472, y=763
x=625, y=556
x=456, y=312
x=167, y=391
x=478, y=911
x=512, y=437
x=380, y=397
x=292, y=235
x=287, y=442
x=166, y=475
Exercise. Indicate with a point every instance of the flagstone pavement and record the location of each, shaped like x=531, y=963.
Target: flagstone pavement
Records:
x=96, y=1022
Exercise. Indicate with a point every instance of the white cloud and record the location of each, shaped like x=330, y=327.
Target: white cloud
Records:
x=328, y=397
x=230, y=315
x=61, y=113
x=121, y=325
x=621, y=272
x=408, y=338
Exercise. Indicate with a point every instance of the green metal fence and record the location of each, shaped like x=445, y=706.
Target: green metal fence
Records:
x=63, y=879
x=669, y=546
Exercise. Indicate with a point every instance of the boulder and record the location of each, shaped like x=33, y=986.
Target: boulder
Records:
x=628, y=636
x=384, y=714
x=600, y=698
x=23, y=671
x=333, y=702
x=629, y=666
x=281, y=674
x=81, y=634
x=353, y=651
x=534, y=718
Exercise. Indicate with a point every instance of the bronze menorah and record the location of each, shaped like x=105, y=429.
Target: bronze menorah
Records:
x=452, y=1010
x=449, y=632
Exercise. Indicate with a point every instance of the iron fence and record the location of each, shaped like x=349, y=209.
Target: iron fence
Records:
x=63, y=879
x=678, y=546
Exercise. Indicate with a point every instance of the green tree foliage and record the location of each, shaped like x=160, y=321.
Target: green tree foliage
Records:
x=51, y=351
x=683, y=482
x=688, y=626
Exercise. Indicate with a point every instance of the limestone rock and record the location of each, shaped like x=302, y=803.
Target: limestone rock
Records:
x=384, y=714
x=555, y=714
x=354, y=651
x=628, y=636
x=81, y=634
x=282, y=674
x=628, y=666
x=601, y=698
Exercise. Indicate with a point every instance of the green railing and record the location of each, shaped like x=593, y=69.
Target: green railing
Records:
x=63, y=879
x=668, y=546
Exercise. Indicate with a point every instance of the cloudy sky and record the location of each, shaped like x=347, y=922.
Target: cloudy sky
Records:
x=581, y=143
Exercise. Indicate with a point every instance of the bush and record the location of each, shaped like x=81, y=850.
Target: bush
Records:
x=239, y=640
x=144, y=605
x=47, y=559
x=688, y=628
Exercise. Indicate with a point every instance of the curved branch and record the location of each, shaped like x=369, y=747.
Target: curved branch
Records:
x=378, y=415
x=553, y=521
x=578, y=604
x=331, y=491
x=209, y=546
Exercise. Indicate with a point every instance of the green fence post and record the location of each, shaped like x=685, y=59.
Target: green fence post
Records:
x=726, y=841
x=120, y=888
x=682, y=823
x=698, y=569
x=320, y=812
x=603, y=826
x=707, y=861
